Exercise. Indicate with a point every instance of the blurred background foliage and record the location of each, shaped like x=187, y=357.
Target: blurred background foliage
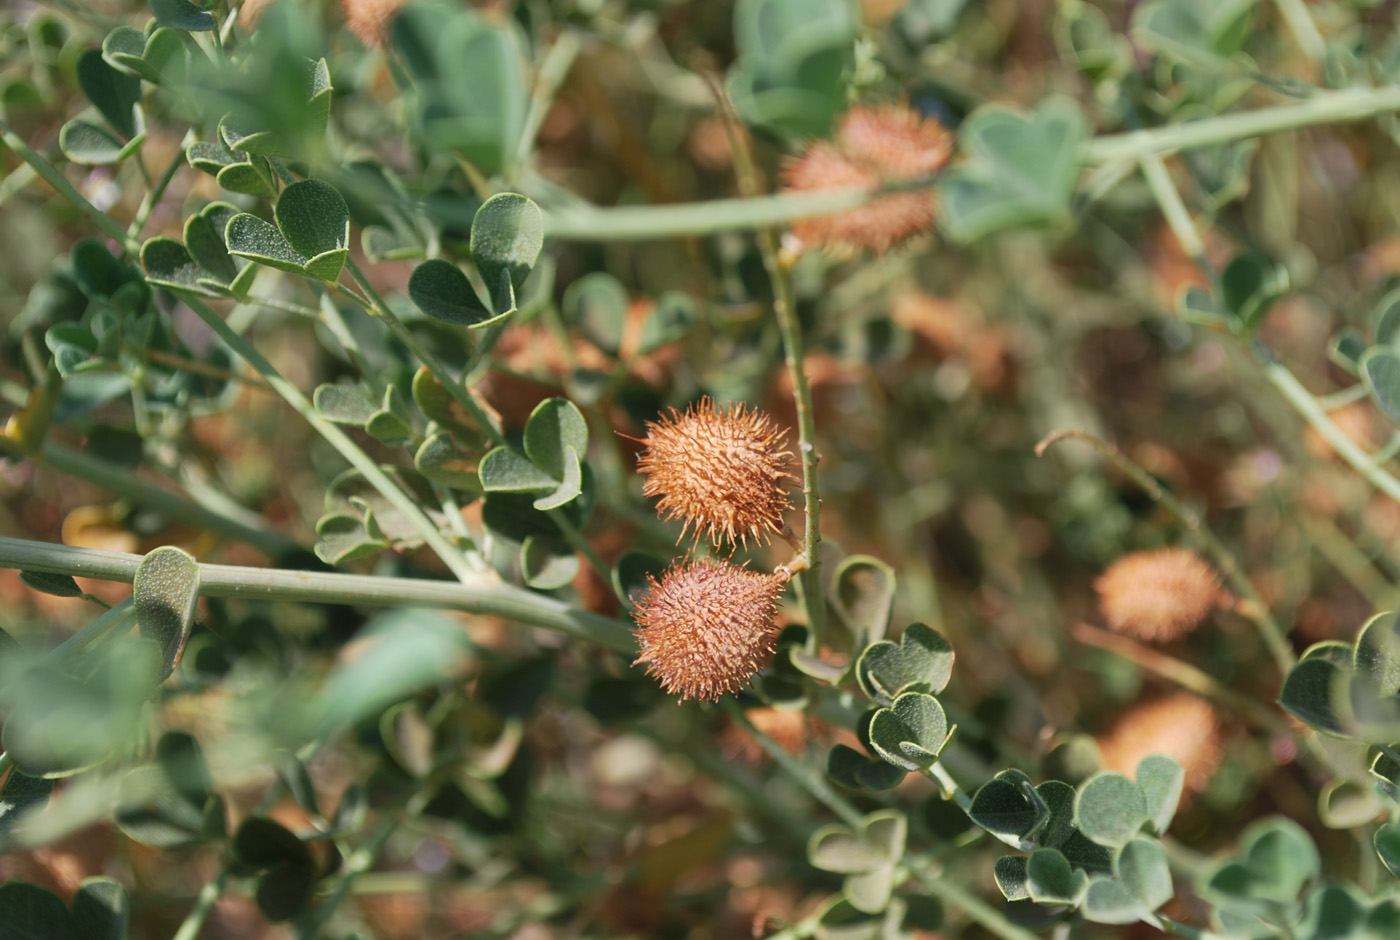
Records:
x=580, y=803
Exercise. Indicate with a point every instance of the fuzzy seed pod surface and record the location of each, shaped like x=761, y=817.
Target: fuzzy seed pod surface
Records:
x=1159, y=595
x=872, y=146
x=724, y=473
x=707, y=626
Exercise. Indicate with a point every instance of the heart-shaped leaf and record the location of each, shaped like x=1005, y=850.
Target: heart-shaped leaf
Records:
x=855, y=771
x=1380, y=369
x=1008, y=805
x=113, y=92
x=1050, y=879
x=315, y=221
x=31, y=913
x=90, y=145
x=596, y=305
x=168, y=264
x=921, y=662
x=342, y=537
x=1275, y=860
x=344, y=404
x=507, y=235
x=1309, y=693
x=1108, y=902
x=1012, y=877
x=547, y=563
x=442, y=291
x=1161, y=780
x=1201, y=31
x=911, y=733
x=439, y=459
x=101, y=910
x=1142, y=868
x=204, y=240
x=837, y=848
x=165, y=591
x=555, y=438
x=1022, y=169
x=182, y=14
x=248, y=236
x=1110, y=809
x=862, y=594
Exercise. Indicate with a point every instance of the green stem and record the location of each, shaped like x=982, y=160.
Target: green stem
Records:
x=1159, y=181
x=1343, y=397
x=1269, y=629
x=351, y=451
x=1300, y=24
x=1312, y=412
x=376, y=307
x=118, y=480
x=58, y=181
x=204, y=903
x=553, y=70
x=785, y=309
x=1326, y=107
x=806, y=777
x=478, y=595
x=628, y=223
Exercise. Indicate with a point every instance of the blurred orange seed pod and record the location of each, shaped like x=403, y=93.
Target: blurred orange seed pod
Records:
x=1159, y=595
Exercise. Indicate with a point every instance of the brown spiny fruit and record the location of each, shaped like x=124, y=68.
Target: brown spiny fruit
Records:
x=1183, y=726
x=1159, y=595
x=722, y=472
x=707, y=626
x=872, y=146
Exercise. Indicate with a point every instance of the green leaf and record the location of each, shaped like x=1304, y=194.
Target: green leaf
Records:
x=1021, y=171
x=341, y=537
x=403, y=651
x=1161, y=780
x=59, y=585
x=1082, y=853
x=1387, y=843
x=922, y=662
x=28, y=912
x=507, y=235
x=1309, y=693
x=855, y=771
x=547, y=563
x=168, y=264
x=862, y=594
x=1377, y=658
x=284, y=891
x=631, y=573
x=1050, y=879
x=596, y=304
x=1334, y=911
x=1348, y=804
x=1109, y=902
x=124, y=49
x=182, y=14
x=20, y=796
x=555, y=427
x=880, y=842
x=1110, y=809
x=165, y=591
x=1276, y=859
x=442, y=291
x=1008, y=805
x=870, y=891
x=1058, y=825
x=90, y=145
x=1201, y=31
x=1249, y=285
x=1346, y=348
x=114, y=93
x=1142, y=869
x=244, y=178
x=1012, y=877
x=912, y=733
x=1380, y=370
x=204, y=240
x=344, y=404
x=439, y=460
x=153, y=811
x=1386, y=319
x=101, y=910
x=248, y=236
x=262, y=843
x=671, y=320
x=314, y=219
x=504, y=470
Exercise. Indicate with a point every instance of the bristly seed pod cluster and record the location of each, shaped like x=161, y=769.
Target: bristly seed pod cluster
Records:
x=707, y=626
x=723, y=473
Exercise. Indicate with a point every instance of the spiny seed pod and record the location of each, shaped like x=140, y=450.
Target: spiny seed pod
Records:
x=872, y=146
x=722, y=472
x=1159, y=595
x=1184, y=727
x=707, y=626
